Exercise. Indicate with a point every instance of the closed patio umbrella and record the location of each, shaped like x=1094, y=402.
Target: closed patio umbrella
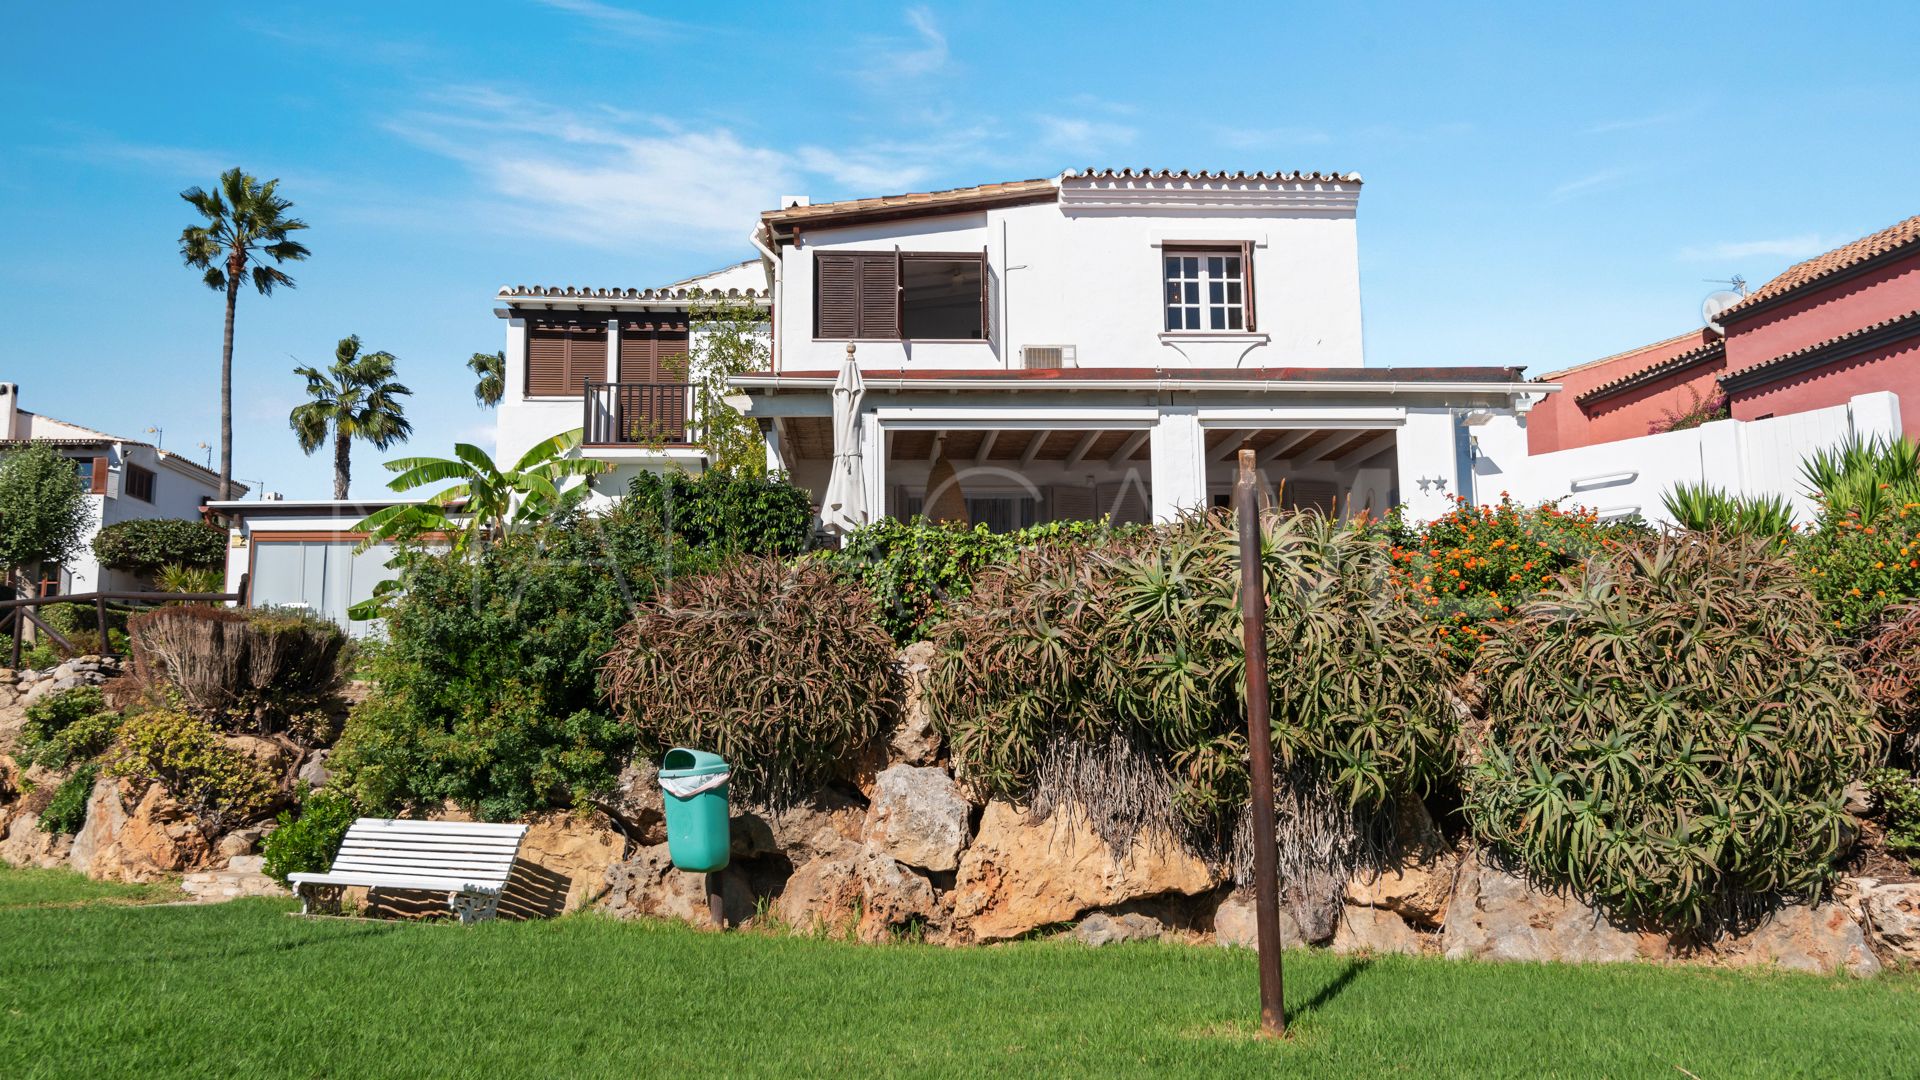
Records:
x=845, y=506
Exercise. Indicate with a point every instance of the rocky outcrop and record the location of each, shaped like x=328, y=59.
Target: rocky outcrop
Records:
x=569, y=854
x=636, y=803
x=893, y=899
x=915, y=741
x=1311, y=923
x=1019, y=875
x=26, y=844
x=1497, y=915
x=918, y=817
x=1893, y=911
x=242, y=877
x=1823, y=939
x=155, y=839
x=1103, y=928
x=827, y=822
x=646, y=884
x=822, y=893
x=1375, y=930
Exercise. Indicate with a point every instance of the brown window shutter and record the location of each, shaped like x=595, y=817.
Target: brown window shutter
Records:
x=99, y=476
x=654, y=349
x=1246, y=278
x=546, y=361
x=836, y=296
x=586, y=353
x=880, y=297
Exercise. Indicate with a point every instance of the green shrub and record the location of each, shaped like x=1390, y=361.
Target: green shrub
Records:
x=1889, y=667
x=782, y=670
x=144, y=545
x=1139, y=644
x=486, y=688
x=66, y=812
x=180, y=578
x=916, y=570
x=1896, y=796
x=259, y=668
x=702, y=521
x=1863, y=552
x=1703, y=507
x=1467, y=571
x=67, y=727
x=1669, y=731
x=185, y=755
x=306, y=839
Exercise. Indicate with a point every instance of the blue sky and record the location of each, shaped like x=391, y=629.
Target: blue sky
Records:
x=1543, y=187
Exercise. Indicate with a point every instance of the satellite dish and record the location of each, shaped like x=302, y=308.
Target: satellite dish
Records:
x=1715, y=303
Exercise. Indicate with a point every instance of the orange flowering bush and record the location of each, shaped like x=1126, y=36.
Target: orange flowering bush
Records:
x=1470, y=570
x=1862, y=561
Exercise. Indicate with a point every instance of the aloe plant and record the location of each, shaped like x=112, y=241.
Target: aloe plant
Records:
x=1669, y=731
x=1703, y=507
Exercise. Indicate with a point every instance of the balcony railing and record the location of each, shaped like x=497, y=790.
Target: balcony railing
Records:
x=640, y=414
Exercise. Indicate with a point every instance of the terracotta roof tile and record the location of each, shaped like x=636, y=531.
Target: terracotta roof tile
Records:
x=931, y=200
x=1210, y=174
x=1699, y=354
x=1820, y=266
x=582, y=292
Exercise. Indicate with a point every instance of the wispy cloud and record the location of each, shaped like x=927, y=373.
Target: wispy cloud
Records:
x=608, y=177
x=1798, y=246
x=175, y=161
x=920, y=53
x=1596, y=181
x=1081, y=135
x=617, y=20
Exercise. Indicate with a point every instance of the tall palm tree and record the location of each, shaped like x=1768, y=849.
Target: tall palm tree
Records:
x=356, y=398
x=246, y=224
x=491, y=367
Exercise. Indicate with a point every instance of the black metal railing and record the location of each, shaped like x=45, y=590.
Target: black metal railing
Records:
x=640, y=414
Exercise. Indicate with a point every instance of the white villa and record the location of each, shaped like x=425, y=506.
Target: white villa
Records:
x=124, y=479
x=1094, y=343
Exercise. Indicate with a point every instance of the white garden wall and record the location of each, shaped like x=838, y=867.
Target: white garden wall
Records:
x=1750, y=457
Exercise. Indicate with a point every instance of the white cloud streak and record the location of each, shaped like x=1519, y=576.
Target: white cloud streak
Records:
x=617, y=20
x=1798, y=246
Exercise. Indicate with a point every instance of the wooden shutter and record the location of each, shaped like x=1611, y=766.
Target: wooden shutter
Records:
x=856, y=294
x=563, y=352
x=99, y=486
x=880, y=296
x=1246, y=282
x=836, y=296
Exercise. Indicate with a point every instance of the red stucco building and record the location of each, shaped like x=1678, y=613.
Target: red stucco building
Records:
x=1839, y=324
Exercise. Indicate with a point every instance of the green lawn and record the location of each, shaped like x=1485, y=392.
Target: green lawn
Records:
x=241, y=989
x=21, y=887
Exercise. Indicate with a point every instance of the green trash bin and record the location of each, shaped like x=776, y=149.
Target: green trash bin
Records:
x=694, y=786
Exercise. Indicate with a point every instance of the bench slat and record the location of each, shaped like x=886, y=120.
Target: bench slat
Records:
x=398, y=826
x=431, y=851
x=426, y=883
x=500, y=870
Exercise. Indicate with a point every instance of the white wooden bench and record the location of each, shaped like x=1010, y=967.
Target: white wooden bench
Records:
x=468, y=861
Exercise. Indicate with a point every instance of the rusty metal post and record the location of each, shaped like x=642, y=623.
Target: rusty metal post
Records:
x=1253, y=631
x=716, y=902
x=100, y=624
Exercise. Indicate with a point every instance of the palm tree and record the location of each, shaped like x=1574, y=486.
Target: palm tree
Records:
x=356, y=398
x=249, y=222
x=491, y=367
x=485, y=500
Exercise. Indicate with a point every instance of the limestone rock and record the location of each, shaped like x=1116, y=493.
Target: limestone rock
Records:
x=1101, y=928
x=824, y=891
x=1020, y=875
x=1497, y=915
x=919, y=817
x=1894, y=913
x=240, y=844
x=1824, y=939
x=893, y=897
x=647, y=885
x=1235, y=924
x=1374, y=930
x=1416, y=890
x=26, y=844
x=155, y=839
x=826, y=822
x=313, y=771
x=245, y=879
x=564, y=859
x=915, y=741
x=637, y=803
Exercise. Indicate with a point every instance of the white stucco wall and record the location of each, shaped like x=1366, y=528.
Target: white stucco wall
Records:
x=1090, y=276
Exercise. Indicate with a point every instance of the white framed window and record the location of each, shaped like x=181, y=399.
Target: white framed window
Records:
x=1207, y=290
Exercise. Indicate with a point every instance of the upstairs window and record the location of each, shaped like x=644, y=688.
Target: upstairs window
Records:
x=900, y=296
x=139, y=483
x=1208, y=288
x=564, y=351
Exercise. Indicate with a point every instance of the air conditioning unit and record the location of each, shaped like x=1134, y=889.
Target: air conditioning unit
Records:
x=1046, y=357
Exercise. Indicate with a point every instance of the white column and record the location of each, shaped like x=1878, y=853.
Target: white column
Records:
x=613, y=349
x=514, y=371
x=1179, y=462
x=776, y=452
x=1423, y=451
